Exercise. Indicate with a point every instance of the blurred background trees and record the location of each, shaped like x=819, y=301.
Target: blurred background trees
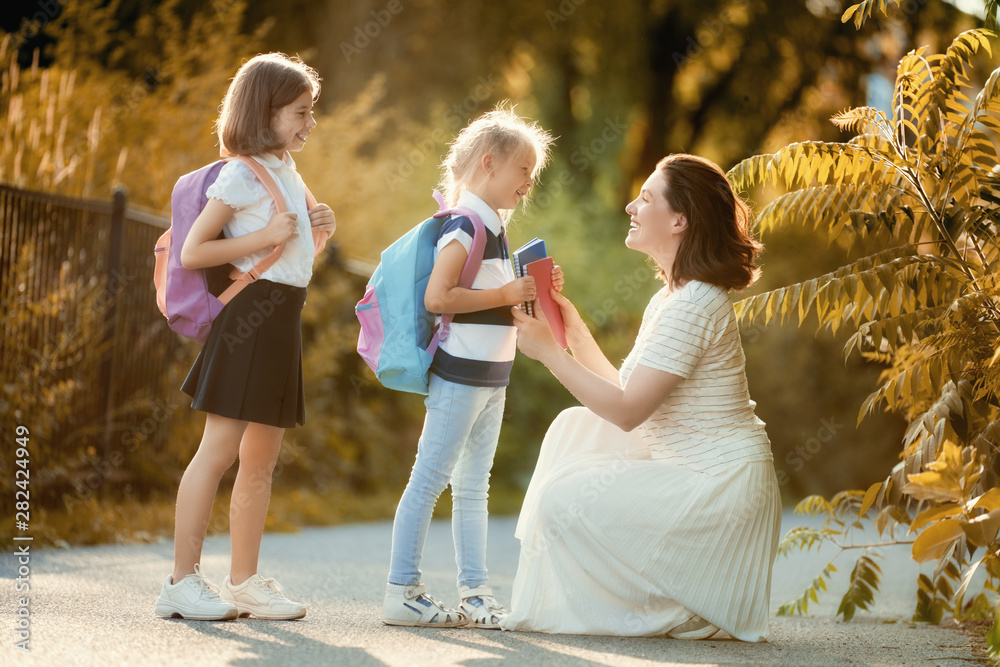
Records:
x=100, y=93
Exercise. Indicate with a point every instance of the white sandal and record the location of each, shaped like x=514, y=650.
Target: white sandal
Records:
x=694, y=628
x=410, y=606
x=481, y=607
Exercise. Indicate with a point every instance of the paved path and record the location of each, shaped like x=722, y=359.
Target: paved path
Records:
x=94, y=606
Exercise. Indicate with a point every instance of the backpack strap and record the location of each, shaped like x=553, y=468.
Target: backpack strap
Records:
x=472, y=263
x=242, y=279
x=319, y=238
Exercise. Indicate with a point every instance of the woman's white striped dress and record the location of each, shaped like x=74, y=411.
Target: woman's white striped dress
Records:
x=671, y=529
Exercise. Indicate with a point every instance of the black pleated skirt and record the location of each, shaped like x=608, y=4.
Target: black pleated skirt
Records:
x=250, y=368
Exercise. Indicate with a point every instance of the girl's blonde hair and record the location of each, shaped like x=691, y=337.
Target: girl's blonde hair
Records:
x=262, y=86
x=500, y=133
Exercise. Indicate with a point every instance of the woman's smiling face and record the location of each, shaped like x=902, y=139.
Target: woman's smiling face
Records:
x=655, y=228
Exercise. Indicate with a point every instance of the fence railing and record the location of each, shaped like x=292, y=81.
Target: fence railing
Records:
x=81, y=331
x=87, y=362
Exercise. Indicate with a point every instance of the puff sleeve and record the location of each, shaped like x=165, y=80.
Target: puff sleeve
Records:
x=237, y=187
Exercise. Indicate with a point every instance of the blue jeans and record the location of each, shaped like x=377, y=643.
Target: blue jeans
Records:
x=457, y=445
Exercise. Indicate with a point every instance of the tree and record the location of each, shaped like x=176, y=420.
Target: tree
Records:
x=918, y=195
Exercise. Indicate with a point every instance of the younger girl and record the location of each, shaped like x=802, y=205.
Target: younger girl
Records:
x=248, y=378
x=490, y=168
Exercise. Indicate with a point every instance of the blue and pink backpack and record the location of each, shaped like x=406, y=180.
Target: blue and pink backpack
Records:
x=184, y=296
x=398, y=338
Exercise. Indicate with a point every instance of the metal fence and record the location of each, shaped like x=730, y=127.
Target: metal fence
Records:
x=82, y=337
x=87, y=361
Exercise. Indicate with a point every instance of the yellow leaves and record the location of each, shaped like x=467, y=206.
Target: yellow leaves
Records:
x=773, y=300
x=806, y=163
x=862, y=11
x=751, y=171
x=933, y=514
x=949, y=478
x=936, y=539
x=969, y=42
x=989, y=501
x=849, y=12
x=814, y=506
x=926, y=176
x=862, y=120
x=982, y=530
x=869, y=498
x=888, y=515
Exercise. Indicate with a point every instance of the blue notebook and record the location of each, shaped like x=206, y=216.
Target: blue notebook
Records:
x=531, y=251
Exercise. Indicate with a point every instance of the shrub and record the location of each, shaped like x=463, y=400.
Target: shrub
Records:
x=918, y=195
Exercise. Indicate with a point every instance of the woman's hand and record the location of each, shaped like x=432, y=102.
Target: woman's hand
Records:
x=534, y=337
x=577, y=333
x=280, y=228
x=322, y=218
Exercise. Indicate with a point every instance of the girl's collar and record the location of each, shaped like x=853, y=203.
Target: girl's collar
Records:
x=486, y=214
x=273, y=161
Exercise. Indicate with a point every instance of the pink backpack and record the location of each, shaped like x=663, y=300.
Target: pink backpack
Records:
x=183, y=295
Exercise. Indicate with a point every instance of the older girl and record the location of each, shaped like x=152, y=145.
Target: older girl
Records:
x=248, y=379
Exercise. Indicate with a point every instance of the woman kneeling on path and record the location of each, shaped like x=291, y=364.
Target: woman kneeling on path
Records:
x=654, y=509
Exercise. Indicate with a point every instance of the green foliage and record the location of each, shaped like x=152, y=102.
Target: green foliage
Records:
x=804, y=538
x=841, y=518
x=801, y=605
x=49, y=389
x=993, y=636
x=917, y=195
x=357, y=435
x=119, y=106
x=863, y=584
x=135, y=105
x=132, y=101
x=862, y=11
x=934, y=595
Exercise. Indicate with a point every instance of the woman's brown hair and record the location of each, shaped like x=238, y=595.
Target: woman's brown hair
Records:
x=717, y=246
x=262, y=86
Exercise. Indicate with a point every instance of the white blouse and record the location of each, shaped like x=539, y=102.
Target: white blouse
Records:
x=238, y=188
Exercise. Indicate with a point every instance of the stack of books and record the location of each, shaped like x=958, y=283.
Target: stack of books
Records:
x=531, y=260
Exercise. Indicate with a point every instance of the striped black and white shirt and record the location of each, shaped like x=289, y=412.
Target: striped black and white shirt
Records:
x=708, y=422
x=480, y=349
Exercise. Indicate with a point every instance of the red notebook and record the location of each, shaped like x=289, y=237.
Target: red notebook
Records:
x=541, y=271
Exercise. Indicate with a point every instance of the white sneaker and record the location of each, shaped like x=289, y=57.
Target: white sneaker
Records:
x=412, y=607
x=193, y=598
x=481, y=607
x=261, y=598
